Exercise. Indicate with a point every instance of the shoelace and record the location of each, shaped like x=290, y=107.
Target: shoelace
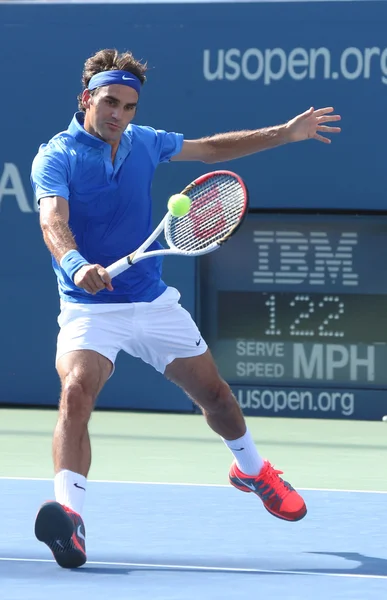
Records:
x=275, y=484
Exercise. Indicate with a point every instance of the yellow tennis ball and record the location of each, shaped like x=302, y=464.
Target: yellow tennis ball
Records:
x=179, y=205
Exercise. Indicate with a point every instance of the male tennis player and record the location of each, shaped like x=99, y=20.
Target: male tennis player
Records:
x=93, y=185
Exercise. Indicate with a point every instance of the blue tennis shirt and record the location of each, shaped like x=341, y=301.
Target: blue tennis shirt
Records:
x=110, y=204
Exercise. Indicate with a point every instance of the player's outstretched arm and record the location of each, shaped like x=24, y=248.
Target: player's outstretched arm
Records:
x=311, y=124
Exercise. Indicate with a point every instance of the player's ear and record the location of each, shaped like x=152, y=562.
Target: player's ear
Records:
x=86, y=98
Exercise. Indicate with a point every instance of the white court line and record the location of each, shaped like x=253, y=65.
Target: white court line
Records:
x=215, y=485
x=202, y=568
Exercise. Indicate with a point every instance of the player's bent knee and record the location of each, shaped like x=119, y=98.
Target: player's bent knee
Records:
x=76, y=401
x=218, y=398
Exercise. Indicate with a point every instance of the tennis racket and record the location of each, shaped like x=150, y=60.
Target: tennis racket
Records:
x=219, y=202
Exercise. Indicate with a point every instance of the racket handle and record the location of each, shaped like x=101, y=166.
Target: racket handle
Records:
x=118, y=267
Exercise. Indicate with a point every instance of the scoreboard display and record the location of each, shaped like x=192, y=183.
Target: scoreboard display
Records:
x=294, y=309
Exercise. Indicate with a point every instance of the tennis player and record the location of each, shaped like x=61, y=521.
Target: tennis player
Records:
x=93, y=184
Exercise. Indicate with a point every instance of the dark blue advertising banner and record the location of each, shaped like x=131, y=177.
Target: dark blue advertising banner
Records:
x=317, y=283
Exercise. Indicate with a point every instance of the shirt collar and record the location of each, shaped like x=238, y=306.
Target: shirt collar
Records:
x=76, y=130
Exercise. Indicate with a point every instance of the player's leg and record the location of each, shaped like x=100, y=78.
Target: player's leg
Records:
x=59, y=524
x=83, y=374
x=199, y=378
x=170, y=341
x=167, y=338
x=86, y=351
x=219, y=406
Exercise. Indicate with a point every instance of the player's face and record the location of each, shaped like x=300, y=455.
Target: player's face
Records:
x=109, y=111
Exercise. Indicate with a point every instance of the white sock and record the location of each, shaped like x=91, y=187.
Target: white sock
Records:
x=70, y=490
x=246, y=455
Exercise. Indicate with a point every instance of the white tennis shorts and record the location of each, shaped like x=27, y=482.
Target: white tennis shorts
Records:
x=157, y=332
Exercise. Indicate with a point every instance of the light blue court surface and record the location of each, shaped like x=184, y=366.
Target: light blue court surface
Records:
x=160, y=541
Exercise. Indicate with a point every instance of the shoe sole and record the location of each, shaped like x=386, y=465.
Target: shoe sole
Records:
x=298, y=518
x=54, y=527
x=247, y=491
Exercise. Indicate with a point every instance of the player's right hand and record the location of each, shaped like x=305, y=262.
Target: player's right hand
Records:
x=93, y=279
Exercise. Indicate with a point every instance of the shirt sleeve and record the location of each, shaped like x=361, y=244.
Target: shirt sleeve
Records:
x=160, y=144
x=50, y=173
x=169, y=144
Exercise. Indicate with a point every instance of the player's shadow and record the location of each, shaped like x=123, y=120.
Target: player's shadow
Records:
x=104, y=570
x=133, y=569
x=369, y=565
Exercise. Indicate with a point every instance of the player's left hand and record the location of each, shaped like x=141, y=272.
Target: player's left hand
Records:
x=311, y=123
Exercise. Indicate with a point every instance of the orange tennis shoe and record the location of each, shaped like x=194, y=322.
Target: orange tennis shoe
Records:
x=63, y=531
x=277, y=495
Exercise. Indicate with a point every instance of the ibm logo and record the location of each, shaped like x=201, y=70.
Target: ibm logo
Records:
x=301, y=258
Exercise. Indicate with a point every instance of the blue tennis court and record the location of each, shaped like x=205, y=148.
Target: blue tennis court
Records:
x=164, y=541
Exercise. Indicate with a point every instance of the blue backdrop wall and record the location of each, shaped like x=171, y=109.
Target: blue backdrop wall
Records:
x=211, y=68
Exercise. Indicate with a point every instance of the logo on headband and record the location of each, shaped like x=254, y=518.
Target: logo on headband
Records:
x=115, y=77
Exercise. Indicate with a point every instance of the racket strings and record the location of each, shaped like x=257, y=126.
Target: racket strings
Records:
x=217, y=206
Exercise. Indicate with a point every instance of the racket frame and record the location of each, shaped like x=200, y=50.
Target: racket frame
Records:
x=127, y=261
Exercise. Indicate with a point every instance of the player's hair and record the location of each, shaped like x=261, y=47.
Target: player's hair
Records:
x=110, y=60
